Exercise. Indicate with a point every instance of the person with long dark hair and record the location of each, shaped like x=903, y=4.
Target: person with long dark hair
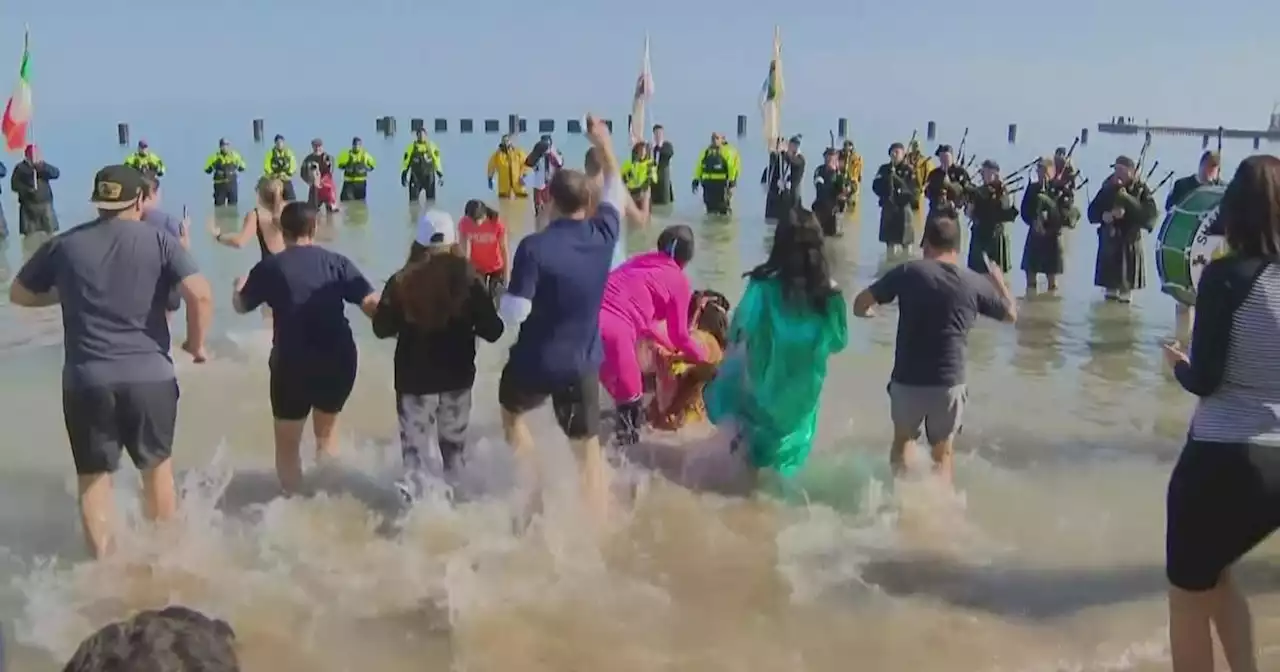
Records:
x=313, y=352
x=790, y=320
x=1224, y=493
x=435, y=306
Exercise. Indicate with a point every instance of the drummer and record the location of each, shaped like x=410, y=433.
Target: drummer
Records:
x=1208, y=174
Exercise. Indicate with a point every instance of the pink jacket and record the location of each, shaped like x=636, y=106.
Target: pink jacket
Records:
x=649, y=289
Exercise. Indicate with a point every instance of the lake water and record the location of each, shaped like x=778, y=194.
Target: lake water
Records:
x=1048, y=558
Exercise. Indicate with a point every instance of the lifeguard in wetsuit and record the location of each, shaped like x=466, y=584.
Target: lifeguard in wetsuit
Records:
x=280, y=164
x=422, y=169
x=225, y=165
x=355, y=164
x=317, y=172
x=146, y=161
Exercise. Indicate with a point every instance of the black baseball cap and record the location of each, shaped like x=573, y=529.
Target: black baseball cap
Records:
x=941, y=149
x=117, y=187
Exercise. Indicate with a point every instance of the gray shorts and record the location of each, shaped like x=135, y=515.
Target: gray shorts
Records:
x=937, y=412
x=107, y=420
x=441, y=419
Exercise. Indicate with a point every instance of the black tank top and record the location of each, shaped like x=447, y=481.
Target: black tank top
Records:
x=262, y=241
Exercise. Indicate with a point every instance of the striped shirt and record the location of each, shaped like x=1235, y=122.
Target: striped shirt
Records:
x=1235, y=354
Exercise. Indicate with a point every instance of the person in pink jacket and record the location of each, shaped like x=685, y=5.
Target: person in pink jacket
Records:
x=643, y=293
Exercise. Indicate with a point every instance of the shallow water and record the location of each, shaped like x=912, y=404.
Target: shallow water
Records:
x=1048, y=558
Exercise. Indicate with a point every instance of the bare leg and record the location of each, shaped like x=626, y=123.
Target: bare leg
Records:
x=159, y=498
x=97, y=513
x=1053, y=282
x=325, y=426
x=943, y=464
x=1031, y=283
x=1234, y=624
x=289, y=454
x=900, y=453
x=597, y=477
x=516, y=431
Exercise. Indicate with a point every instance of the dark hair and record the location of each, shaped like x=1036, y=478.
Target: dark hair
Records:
x=298, y=220
x=942, y=234
x=1250, y=208
x=433, y=287
x=658, y=127
x=150, y=185
x=476, y=210
x=175, y=639
x=570, y=191
x=709, y=311
x=797, y=260
x=677, y=242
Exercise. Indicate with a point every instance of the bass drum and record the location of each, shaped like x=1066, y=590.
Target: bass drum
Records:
x=1185, y=245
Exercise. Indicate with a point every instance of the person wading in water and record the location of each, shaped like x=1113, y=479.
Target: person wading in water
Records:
x=558, y=278
x=313, y=353
x=939, y=300
x=111, y=277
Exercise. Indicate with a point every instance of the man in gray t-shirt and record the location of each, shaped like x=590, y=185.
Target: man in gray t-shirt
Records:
x=939, y=300
x=112, y=277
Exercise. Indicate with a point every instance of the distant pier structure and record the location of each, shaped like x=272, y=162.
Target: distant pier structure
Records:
x=1128, y=126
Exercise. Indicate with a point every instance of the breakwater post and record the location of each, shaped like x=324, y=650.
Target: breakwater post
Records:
x=742, y=125
x=490, y=125
x=1013, y=134
x=416, y=125
x=1084, y=136
x=122, y=134
x=842, y=128
x=546, y=125
x=573, y=126
x=380, y=125
x=259, y=130
x=931, y=131
x=441, y=126
x=1204, y=141
x=391, y=127
x=466, y=126
x=513, y=124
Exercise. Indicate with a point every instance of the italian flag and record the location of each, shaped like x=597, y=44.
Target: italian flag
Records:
x=17, y=114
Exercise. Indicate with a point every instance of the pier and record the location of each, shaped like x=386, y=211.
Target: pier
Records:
x=1127, y=126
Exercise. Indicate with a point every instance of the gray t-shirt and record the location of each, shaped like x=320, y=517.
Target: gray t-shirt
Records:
x=938, y=303
x=164, y=221
x=113, y=278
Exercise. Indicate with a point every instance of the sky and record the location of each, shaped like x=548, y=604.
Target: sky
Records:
x=1068, y=64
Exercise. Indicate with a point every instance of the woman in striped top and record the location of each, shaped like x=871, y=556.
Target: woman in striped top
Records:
x=1224, y=494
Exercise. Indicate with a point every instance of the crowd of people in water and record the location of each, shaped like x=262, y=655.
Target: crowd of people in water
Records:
x=668, y=356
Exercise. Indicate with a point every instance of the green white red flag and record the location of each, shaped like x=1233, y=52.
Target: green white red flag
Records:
x=17, y=114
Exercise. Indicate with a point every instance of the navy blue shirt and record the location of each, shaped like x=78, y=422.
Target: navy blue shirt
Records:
x=307, y=288
x=562, y=271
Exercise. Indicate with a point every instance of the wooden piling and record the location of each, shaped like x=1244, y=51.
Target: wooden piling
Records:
x=122, y=134
x=842, y=128
x=546, y=125
x=742, y=125
x=491, y=126
x=441, y=126
x=573, y=126
x=259, y=130
x=416, y=125
x=931, y=131
x=1013, y=134
x=1084, y=137
x=466, y=126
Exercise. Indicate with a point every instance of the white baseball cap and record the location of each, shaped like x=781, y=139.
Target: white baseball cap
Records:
x=436, y=228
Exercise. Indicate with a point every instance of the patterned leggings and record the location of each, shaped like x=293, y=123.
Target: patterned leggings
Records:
x=442, y=418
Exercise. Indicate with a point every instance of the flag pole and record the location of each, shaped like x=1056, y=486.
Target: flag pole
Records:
x=26, y=52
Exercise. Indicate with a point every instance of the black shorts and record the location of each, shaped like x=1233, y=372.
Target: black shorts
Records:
x=1224, y=499
x=321, y=384
x=576, y=406
x=105, y=420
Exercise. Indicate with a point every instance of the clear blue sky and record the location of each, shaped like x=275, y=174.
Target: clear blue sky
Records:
x=1174, y=61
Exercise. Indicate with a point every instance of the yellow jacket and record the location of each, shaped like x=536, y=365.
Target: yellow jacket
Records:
x=509, y=166
x=853, y=168
x=923, y=166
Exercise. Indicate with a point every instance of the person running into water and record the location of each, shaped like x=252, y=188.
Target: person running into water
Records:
x=435, y=307
x=646, y=290
x=262, y=222
x=111, y=277
x=483, y=238
x=939, y=301
x=678, y=399
x=178, y=228
x=1224, y=493
x=558, y=277
x=313, y=353
x=790, y=320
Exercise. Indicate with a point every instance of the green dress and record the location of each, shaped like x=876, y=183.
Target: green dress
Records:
x=770, y=382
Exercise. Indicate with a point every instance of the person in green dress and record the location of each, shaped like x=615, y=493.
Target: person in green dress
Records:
x=790, y=320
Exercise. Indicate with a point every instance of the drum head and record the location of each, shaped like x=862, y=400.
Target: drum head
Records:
x=1185, y=246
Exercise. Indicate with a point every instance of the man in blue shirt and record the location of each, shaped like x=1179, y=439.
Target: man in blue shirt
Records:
x=557, y=283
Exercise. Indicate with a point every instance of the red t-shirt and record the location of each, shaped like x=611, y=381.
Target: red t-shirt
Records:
x=486, y=253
